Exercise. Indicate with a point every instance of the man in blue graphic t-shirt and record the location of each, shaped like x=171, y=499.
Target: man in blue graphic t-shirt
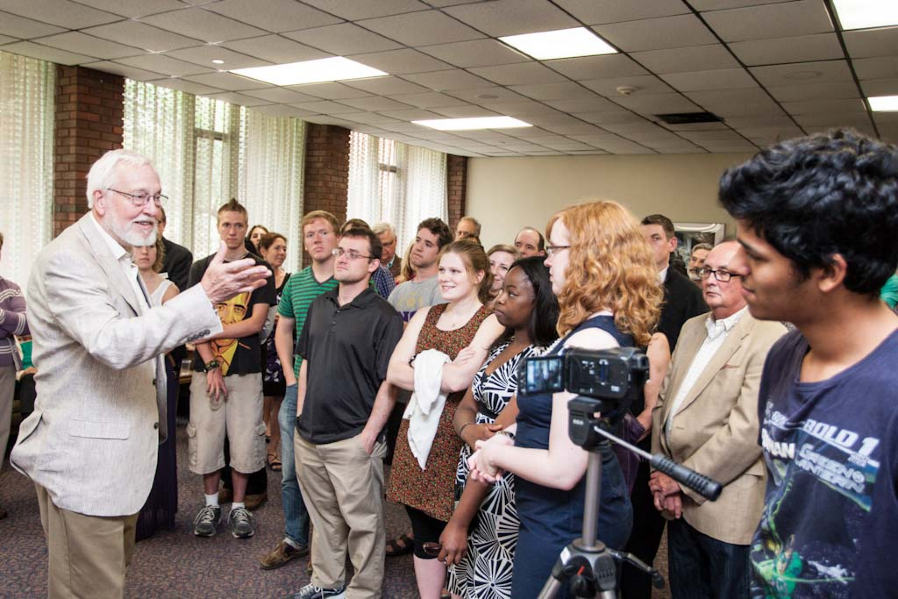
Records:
x=816, y=218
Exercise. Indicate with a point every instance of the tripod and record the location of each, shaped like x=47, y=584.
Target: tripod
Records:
x=587, y=563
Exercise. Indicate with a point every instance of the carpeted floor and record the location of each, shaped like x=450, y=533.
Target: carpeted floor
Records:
x=176, y=564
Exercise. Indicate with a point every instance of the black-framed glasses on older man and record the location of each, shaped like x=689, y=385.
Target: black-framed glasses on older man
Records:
x=351, y=254
x=141, y=198
x=721, y=275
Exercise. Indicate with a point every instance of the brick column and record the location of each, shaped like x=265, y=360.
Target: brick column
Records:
x=89, y=121
x=326, y=176
x=456, y=187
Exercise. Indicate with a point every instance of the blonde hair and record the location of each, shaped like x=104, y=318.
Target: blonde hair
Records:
x=475, y=260
x=610, y=267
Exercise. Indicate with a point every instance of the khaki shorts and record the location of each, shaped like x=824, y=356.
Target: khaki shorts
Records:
x=239, y=416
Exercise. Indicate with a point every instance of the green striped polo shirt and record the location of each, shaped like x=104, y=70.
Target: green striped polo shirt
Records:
x=299, y=292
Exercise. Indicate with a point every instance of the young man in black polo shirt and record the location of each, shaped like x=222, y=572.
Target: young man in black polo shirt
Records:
x=343, y=405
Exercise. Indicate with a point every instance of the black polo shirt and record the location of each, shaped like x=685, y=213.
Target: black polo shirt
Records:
x=347, y=350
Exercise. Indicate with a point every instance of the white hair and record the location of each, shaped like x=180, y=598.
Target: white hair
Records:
x=383, y=227
x=102, y=172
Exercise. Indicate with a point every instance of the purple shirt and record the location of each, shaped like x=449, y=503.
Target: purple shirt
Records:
x=12, y=320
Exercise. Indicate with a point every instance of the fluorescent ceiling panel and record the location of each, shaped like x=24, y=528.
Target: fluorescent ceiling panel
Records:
x=864, y=14
x=884, y=103
x=486, y=122
x=311, y=71
x=563, y=43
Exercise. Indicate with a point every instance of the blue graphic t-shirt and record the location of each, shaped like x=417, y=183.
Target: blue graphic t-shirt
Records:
x=830, y=521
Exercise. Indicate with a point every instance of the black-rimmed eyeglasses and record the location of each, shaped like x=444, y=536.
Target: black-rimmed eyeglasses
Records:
x=351, y=254
x=141, y=198
x=721, y=275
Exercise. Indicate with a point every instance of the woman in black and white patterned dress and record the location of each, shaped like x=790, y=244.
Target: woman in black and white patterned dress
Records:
x=480, y=537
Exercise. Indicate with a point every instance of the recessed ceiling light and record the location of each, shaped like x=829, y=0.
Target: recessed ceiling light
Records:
x=884, y=103
x=564, y=43
x=485, y=122
x=217, y=61
x=862, y=14
x=311, y=71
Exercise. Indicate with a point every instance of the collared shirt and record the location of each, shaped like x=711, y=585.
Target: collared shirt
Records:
x=662, y=276
x=123, y=257
x=717, y=334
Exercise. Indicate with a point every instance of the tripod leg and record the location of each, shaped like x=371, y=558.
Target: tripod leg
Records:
x=550, y=589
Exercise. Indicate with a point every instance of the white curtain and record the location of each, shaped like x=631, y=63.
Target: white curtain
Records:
x=397, y=183
x=271, y=179
x=27, y=93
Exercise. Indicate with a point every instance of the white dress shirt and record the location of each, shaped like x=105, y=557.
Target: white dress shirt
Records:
x=123, y=257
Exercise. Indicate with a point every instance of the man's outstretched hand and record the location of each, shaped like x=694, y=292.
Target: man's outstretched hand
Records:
x=223, y=280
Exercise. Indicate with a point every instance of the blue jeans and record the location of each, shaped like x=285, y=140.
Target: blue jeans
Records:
x=701, y=567
x=296, y=517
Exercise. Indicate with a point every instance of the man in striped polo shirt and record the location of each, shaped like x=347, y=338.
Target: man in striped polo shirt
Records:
x=319, y=232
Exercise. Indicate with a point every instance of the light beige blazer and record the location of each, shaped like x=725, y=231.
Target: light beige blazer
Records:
x=715, y=429
x=92, y=440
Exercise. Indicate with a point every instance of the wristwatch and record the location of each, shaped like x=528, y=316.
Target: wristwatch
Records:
x=211, y=365
x=508, y=434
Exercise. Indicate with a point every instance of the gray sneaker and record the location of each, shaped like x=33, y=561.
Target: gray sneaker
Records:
x=242, y=526
x=206, y=521
x=310, y=591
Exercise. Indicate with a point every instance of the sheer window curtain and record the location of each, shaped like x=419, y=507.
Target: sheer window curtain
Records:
x=395, y=182
x=27, y=106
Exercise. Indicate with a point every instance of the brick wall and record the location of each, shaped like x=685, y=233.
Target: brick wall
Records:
x=89, y=120
x=456, y=186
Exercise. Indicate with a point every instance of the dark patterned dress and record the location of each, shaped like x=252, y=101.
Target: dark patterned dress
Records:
x=273, y=383
x=485, y=571
x=433, y=490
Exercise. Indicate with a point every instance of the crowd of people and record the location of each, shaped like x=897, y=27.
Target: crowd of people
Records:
x=770, y=372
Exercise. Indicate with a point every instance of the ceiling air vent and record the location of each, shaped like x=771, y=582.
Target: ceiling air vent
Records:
x=688, y=118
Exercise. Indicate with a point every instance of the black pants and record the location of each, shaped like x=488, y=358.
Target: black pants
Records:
x=425, y=529
x=648, y=526
x=702, y=567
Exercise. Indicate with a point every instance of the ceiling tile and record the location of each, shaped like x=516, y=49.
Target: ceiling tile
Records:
x=880, y=87
x=368, y=118
x=430, y=100
x=79, y=43
x=343, y=40
x=596, y=12
x=579, y=128
x=705, y=80
x=486, y=96
x=422, y=28
x=553, y=120
x=522, y=110
x=846, y=106
x=276, y=49
x=811, y=91
x=399, y=62
x=880, y=67
x=592, y=104
x=816, y=120
x=821, y=46
x=326, y=107
x=386, y=86
x=722, y=146
x=805, y=72
x=329, y=91
x=789, y=19
x=705, y=5
x=512, y=17
x=21, y=27
x=616, y=116
x=643, y=84
x=872, y=42
x=477, y=53
x=115, y=68
x=678, y=60
x=696, y=127
x=448, y=80
x=7, y=40
x=142, y=35
x=282, y=110
x=375, y=103
x=281, y=95
x=166, y=65
x=133, y=8
x=657, y=34
x=63, y=13
x=47, y=53
x=464, y=112
x=240, y=99
x=411, y=114
x=597, y=67
x=202, y=24
x=354, y=10
x=187, y=86
x=329, y=120
x=741, y=97
x=226, y=81
x=652, y=104
x=554, y=91
x=759, y=121
x=204, y=55
x=518, y=74
x=273, y=15
x=708, y=135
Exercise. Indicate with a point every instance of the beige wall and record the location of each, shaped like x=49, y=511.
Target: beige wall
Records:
x=507, y=193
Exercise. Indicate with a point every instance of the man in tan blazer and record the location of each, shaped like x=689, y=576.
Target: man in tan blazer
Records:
x=707, y=419
x=90, y=445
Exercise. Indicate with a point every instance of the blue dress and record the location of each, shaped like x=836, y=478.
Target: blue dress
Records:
x=552, y=518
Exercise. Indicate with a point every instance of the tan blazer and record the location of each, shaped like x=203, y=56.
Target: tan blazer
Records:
x=93, y=437
x=715, y=429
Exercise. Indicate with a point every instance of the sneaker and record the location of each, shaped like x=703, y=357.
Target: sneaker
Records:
x=241, y=521
x=310, y=591
x=282, y=554
x=206, y=521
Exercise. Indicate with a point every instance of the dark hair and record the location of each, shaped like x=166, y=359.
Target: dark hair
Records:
x=475, y=260
x=353, y=223
x=659, y=219
x=375, y=247
x=438, y=228
x=233, y=205
x=544, y=317
x=541, y=246
x=268, y=240
x=817, y=196
x=249, y=233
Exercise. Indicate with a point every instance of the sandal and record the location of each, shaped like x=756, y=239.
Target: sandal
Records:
x=401, y=546
x=274, y=463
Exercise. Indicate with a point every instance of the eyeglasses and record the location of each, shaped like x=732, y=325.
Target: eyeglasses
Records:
x=551, y=250
x=721, y=275
x=351, y=254
x=141, y=198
